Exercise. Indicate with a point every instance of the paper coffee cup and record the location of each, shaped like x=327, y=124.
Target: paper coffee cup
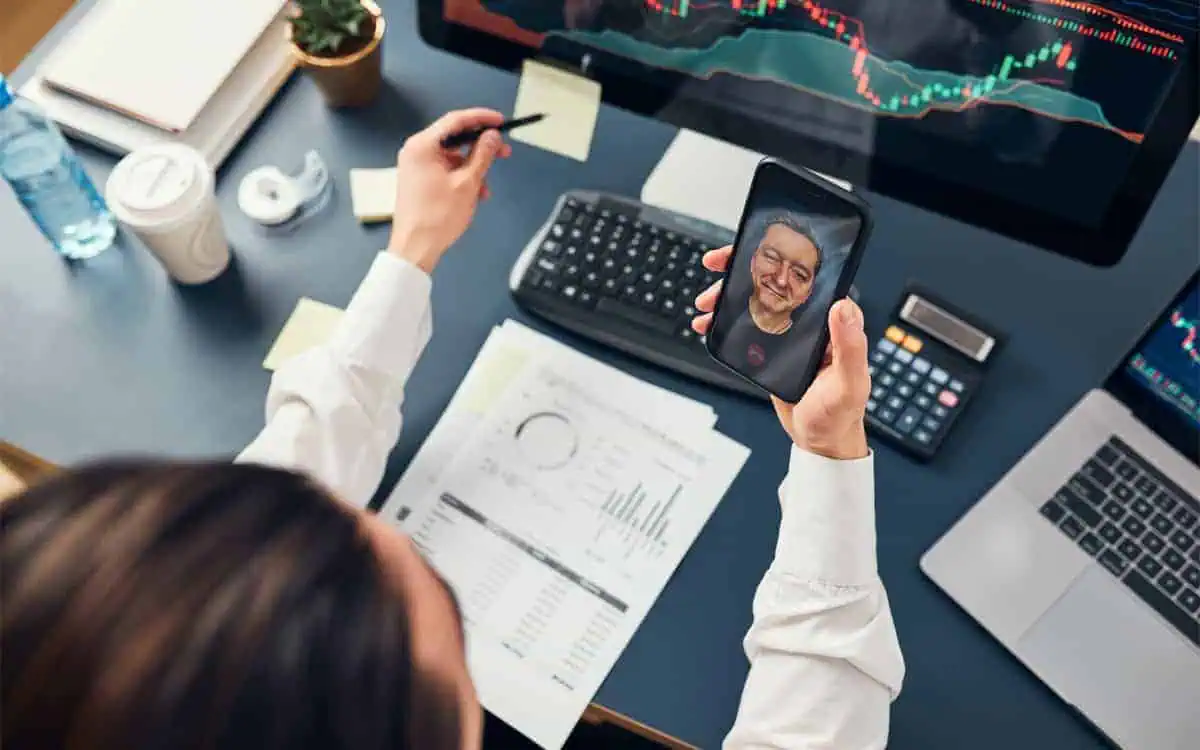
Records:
x=165, y=195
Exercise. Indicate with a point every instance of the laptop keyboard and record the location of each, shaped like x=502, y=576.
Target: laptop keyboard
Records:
x=1140, y=526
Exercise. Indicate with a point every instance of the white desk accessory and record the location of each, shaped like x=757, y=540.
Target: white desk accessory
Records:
x=272, y=198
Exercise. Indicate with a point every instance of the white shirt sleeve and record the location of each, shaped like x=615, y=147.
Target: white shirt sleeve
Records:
x=825, y=663
x=334, y=411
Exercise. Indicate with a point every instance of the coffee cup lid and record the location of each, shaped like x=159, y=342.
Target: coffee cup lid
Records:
x=158, y=186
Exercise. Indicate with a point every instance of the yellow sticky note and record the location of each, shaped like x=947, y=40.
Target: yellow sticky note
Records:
x=491, y=376
x=571, y=103
x=373, y=194
x=312, y=323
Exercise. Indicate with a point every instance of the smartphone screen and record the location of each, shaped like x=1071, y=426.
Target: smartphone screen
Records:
x=795, y=255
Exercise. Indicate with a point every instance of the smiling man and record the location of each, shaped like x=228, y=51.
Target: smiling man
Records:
x=783, y=268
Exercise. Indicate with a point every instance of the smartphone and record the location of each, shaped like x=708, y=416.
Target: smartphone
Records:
x=798, y=247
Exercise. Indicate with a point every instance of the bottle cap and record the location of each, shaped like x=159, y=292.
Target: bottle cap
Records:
x=159, y=186
x=6, y=94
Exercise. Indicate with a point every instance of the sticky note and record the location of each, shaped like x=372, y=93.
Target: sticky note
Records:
x=571, y=103
x=373, y=194
x=312, y=323
x=492, y=375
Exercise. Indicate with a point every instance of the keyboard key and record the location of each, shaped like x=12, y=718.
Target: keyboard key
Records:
x=1107, y=455
x=1185, y=518
x=908, y=420
x=1146, y=486
x=1071, y=527
x=586, y=299
x=1182, y=541
x=1113, y=510
x=1079, y=507
x=1149, y=566
x=1114, y=563
x=1096, y=472
x=1195, y=554
x=1109, y=532
x=1126, y=471
x=1052, y=510
x=1129, y=549
x=1162, y=524
x=1192, y=576
x=1133, y=527
x=1091, y=544
x=1122, y=492
x=1142, y=508
x=939, y=376
x=921, y=365
x=1153, y=543
x=1164, y=501
x=1169, y=584
x=1084, y=488
x=1189, y=600
x=1169, y=610
x=1173, y=560
x=634, y=315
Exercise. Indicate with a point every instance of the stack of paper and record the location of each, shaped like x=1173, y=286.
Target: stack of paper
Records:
x=557, y=495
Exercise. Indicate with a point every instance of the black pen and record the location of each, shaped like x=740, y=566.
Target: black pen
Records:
x=468, y=137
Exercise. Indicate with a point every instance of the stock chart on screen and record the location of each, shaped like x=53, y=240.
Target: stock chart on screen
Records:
x=1018, y=93
x=1169, y=361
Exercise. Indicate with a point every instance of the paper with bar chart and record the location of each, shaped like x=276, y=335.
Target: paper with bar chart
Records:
x=557, y=523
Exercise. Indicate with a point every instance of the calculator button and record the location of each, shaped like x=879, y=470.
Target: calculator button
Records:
x=930, y=424
x=871, y=370
x=956, y=386
x=921, y=365
x=905, y=391
x=923, y=402
x=940, y=412
x=878, y=357
x=939, y=376
x=931, y=389
x=885, y=415
x=948, y=399
x=895, y=333
x=885, y=346
x=895, y=402
x=871, y=404
x=904, y=356
x=908, y=420
x=913, y=377
x=886, y=380
x=913, y=344
x=922, y=436
x=895, y=368
x=878, y=392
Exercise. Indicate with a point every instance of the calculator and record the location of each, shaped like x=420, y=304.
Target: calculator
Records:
x=925, y=369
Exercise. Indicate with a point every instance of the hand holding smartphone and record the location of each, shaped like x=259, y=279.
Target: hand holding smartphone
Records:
x=798, y=247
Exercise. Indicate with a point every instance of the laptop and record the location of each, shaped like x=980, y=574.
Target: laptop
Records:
x=1084, y=560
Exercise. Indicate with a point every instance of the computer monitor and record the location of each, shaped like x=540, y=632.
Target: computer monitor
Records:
x=1054, y=122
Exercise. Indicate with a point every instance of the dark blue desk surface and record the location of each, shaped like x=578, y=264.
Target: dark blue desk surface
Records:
x=109, y=357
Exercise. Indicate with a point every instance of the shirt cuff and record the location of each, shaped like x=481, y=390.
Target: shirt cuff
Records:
x=387, y=324
x=827, y=533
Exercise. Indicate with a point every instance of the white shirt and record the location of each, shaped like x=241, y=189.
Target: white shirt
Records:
x=825, y=663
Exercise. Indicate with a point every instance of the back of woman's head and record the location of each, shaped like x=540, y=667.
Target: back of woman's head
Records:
x=168, y=605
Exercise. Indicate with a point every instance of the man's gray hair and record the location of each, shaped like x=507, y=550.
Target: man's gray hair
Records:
x=799, y=226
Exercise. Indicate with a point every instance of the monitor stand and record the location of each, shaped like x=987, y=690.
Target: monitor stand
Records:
x=705, y=178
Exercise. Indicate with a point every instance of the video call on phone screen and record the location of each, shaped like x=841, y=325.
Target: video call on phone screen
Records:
x=794, y=243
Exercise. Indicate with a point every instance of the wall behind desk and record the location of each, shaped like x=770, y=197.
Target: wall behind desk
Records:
x=23, y=23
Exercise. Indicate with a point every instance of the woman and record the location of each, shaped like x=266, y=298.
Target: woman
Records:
x=156, y=604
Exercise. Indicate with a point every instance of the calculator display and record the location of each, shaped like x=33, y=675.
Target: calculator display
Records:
x=947, y=328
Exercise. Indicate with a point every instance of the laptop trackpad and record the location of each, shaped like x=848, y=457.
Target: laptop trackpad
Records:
x=1103, y=650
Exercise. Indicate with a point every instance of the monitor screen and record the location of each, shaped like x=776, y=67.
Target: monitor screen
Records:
x=1052, y=121
x=1167, y=362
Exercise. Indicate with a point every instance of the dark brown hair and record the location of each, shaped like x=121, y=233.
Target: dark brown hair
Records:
x=154, y=605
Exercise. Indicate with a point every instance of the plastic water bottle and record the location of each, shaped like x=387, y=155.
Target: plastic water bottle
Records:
x=49, y=180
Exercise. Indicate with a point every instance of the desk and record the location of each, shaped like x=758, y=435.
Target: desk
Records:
x=110, y=357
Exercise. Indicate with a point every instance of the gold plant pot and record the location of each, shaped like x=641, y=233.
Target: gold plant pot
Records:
x=352, y=80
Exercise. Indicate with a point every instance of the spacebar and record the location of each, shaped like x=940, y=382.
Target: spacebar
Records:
x=1173, y=613
x=635, y=315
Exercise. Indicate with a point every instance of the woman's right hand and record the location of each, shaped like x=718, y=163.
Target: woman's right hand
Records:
x=438, y=189
x=828, y=420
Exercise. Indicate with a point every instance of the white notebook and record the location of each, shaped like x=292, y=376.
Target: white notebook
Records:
x=158, y=62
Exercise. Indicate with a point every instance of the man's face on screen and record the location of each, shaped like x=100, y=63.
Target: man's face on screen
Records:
x=783, y=268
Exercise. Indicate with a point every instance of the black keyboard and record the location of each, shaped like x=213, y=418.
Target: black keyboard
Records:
x=625, y=274
x=1140, y=526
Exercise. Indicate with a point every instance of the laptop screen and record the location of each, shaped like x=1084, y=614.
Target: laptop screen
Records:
x=1167, y=361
